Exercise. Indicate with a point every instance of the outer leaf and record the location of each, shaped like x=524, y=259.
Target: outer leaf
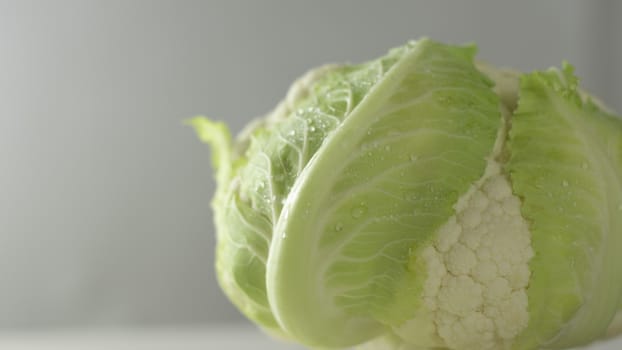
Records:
x=566, y=165
x=375, y=192
x=256, y=174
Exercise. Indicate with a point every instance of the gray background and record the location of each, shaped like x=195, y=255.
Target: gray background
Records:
x=104, y=195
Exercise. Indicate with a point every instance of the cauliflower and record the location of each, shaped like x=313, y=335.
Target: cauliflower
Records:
x=475, y=293
x=424, y=201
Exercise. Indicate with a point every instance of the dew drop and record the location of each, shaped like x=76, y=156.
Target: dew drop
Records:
x=338, y=227
x=292, y=133
x=312, y=129
x=411, y=195
x=358, y=211
x=565, y=183
x=283, y=235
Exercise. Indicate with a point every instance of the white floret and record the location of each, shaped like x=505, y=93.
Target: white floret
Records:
x=477, y=272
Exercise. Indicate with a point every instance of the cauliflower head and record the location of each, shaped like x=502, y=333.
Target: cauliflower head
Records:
x=424, y=201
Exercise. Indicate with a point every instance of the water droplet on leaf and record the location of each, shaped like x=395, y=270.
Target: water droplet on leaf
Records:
x=358, y=211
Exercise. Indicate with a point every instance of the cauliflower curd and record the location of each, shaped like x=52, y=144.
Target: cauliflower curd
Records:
x=475, y=293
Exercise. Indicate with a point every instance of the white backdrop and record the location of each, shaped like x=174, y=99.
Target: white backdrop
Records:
x=104, y=196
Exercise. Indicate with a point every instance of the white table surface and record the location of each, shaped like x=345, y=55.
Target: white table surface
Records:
x=220, y=337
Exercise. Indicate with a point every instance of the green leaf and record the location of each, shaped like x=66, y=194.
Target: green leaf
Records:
x=217, y=135
x=256, y=173
x=375, y=191
x=566, y=165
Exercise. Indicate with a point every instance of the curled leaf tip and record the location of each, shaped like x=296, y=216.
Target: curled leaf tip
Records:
x=218, y=136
